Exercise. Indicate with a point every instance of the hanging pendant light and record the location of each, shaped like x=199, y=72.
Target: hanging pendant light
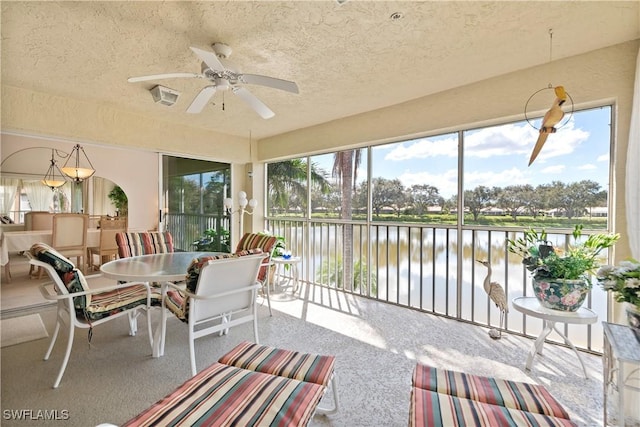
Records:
x=50, y=179
x=78, y=173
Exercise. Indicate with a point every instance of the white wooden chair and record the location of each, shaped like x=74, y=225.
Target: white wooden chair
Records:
x=70, y=236
x=108, y=246
x=81, y=307
x=223, y=296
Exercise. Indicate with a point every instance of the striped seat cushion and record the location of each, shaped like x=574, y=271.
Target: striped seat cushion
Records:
x=515, y=395
x=266, y=242
x=223, y=395
x=285, y=363
x=144, y=243
x=108, y=303
x=433, y=409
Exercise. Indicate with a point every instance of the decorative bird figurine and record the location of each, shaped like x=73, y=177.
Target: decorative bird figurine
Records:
x=551, y=118
x=497, y=295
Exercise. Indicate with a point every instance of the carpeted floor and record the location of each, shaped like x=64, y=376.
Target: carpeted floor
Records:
x=376, y=346
x=21, y=329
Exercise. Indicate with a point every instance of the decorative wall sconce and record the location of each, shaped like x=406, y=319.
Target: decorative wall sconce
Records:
x=80, y=171
x=242, y=207
x=50, y=179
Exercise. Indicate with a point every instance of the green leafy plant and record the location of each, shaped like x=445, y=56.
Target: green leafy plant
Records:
x=548, y=262
x=119, y=199
x=213, y=240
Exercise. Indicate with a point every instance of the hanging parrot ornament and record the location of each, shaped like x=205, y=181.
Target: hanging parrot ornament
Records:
x=551, y=118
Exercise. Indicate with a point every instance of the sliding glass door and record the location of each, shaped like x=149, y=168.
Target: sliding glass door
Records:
x=193, y=203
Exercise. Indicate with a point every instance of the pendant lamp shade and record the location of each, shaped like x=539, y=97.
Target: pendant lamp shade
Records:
x=50, y=179
x=79, y=169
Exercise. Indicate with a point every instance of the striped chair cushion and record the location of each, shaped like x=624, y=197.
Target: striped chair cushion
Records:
x=144, y=243
x=433, y=409
x=108, y=303
x=510, y=394
x=266, y=242
x=284, y=363
x=223, y=395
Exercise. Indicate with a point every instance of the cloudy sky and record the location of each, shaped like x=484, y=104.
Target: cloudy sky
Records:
x=498, y=156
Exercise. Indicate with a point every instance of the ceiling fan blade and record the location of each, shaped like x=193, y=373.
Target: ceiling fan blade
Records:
x=253, y=102
x=209, y=58
x=255, y=79
x=161, y=76
x=201, y=99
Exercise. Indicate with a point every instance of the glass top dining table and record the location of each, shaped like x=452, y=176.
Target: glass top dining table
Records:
x=166, y=267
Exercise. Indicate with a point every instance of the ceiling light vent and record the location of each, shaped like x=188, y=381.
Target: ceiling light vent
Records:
x=164, y=95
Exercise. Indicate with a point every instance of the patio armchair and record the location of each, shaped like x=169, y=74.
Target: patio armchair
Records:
x=82, y=307
x=220, y=293
x=267, y=244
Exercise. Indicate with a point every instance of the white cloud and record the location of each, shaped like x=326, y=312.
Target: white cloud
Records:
x=446, y=182
x=553, y=170
x=513, y=176
x=603, y=158
x=423, y=148
x=587, y=167
x=503, y=140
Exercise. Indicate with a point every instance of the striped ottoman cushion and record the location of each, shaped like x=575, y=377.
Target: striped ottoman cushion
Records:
x=510, y=394
x=223, y=395
x=429, y=408
x=284, y=363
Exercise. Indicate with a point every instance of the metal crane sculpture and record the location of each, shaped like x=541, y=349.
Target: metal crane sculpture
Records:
x=497, y=295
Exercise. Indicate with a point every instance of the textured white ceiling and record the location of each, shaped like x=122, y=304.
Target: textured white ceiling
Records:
x=346, y=59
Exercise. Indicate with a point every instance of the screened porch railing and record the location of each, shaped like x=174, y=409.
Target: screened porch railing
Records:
x=430, y=269
x=422, y=267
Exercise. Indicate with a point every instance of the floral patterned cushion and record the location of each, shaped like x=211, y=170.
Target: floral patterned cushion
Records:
x=91, y=307
x=45, y=253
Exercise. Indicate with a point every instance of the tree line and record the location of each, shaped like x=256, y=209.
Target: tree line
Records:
x=566, y=199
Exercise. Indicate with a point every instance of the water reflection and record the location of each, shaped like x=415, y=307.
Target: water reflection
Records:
x=419, y=267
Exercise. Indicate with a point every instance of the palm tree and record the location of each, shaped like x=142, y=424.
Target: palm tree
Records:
x=345, y=169
x=287, y=181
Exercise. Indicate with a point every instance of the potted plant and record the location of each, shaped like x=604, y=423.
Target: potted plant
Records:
x=118, y=197
x=624, y=281
x=560, y=278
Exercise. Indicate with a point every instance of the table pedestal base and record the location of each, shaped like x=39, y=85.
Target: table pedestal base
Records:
x=539, y=343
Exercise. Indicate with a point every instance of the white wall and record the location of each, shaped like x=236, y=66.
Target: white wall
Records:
x=135, y=172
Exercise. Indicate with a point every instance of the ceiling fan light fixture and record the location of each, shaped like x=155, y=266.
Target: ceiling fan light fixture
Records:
x=164, y=95
x=222, y=84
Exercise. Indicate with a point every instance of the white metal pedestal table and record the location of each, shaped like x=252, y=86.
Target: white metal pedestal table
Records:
x=293, y=262
x=164, y=267
x=531, y=307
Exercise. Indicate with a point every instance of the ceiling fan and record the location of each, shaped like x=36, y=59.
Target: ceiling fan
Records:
x=223, y=75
